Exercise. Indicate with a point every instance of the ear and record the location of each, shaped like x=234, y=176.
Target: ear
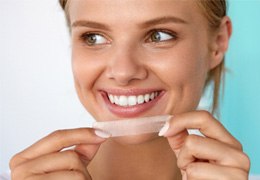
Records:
x=220, y=42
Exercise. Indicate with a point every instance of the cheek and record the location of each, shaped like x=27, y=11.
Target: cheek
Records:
x=86, y=68
x=181, y=69
x=184, y=73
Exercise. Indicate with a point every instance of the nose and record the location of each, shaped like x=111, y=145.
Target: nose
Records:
x=126, y=66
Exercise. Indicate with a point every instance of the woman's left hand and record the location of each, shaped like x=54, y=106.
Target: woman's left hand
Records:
x=218, y=155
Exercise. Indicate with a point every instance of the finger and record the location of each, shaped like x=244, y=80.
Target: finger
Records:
x=59, y=161
x=55, y=142
x=87, y=152
x=211, y=171
x=177, y=141
x=216, y=152
x=207, y=125
x=64, y=175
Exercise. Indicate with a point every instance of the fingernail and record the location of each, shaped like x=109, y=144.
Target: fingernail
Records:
x=102, y=134
x=164, y=129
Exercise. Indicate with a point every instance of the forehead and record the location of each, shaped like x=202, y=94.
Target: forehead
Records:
x=123, y=11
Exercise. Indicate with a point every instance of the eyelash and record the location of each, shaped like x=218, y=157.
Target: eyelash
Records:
x=172, y=37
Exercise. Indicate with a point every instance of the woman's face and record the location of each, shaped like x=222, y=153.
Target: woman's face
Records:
x=136, y=58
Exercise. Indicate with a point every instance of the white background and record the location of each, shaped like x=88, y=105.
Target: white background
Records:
x=37, y=93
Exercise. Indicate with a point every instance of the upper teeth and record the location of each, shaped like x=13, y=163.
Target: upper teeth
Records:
x=131, y=100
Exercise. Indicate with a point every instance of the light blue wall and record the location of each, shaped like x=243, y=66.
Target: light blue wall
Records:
x=240, y=109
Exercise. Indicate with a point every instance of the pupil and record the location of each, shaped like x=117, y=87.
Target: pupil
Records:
x=92, y=39
x=156, y=37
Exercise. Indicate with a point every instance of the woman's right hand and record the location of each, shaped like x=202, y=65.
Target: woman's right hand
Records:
x=46, y=160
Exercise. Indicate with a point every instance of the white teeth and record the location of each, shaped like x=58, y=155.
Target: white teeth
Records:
x=140, y=99
x=116, y=100
x=131, y=100
x=111, y=98
x=147, y=97
x=123, y=101
x=152, y=96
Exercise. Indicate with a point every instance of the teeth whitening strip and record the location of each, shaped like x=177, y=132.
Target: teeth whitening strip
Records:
x=134, y=126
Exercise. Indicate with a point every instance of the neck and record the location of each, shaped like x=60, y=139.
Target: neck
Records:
x=151, y=160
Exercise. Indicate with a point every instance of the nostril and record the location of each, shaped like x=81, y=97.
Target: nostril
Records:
x=125, y=71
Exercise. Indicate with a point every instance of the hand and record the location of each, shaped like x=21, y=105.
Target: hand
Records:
x=218, y=155
x=46, y=160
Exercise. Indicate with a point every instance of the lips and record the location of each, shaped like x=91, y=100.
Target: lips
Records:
x=130, y=103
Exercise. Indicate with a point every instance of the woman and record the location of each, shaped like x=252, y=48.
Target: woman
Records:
x=138, y=58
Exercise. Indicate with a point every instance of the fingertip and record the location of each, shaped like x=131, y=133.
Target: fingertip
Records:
x=164, y=129
x=102, y=134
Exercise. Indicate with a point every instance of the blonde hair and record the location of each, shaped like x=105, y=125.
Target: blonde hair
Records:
x=214, y=11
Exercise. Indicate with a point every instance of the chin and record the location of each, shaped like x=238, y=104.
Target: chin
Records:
x=136, y=139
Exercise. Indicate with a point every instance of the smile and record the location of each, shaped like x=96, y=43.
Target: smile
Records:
x=131, y=103
x=132, y=100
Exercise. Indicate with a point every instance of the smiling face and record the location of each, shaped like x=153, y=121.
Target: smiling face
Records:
x=136, y=58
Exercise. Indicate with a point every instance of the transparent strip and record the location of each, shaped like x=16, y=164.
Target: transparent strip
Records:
x=134, y=126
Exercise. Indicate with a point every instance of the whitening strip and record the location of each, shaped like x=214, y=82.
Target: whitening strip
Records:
x=135, y=126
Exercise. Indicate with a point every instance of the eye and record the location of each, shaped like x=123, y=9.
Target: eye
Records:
x=159, y=36
x=93, y=39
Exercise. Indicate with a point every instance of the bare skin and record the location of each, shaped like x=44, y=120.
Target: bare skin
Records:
x=128, y=48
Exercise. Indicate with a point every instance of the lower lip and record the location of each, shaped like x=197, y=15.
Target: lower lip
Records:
x=130, y=111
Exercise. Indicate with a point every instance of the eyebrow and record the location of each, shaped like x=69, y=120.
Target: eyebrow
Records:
x=152, y=22
x=91, y=24
x=163, y=20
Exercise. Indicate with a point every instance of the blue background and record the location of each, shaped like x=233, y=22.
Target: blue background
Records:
x=240, y=107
